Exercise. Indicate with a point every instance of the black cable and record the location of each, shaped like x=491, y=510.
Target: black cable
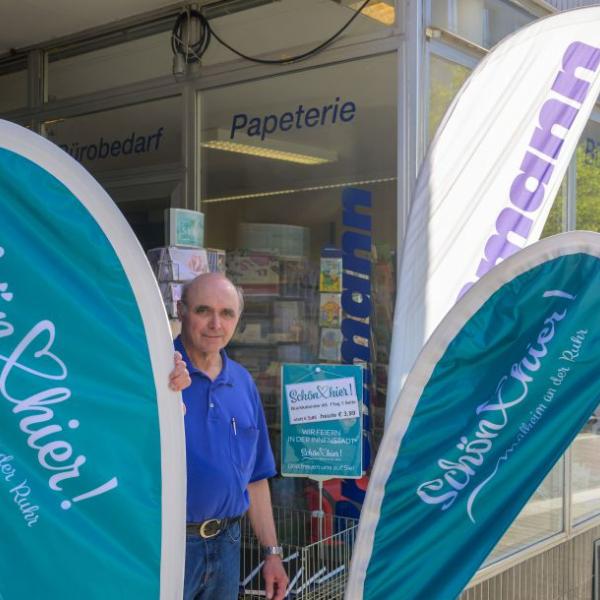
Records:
x=196, y=50
x=293, y=58
x=193, y=52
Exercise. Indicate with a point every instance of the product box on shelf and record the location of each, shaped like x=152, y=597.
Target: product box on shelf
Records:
x=216, y=260
x=253, y=331
x=297, y=278
x=288, y=318
x=330, y=279
x=330, y=347
x=256, y=306
x=291, y=353
x=268, y=382
x=274, y=238
x=184, y=227
x=256, y=273
x=330, y=310
x=254, y=358
x=173, y=264
x=171, y=294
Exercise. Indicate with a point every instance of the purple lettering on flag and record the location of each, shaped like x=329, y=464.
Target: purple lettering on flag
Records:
x=527, y=191
x=578, y=55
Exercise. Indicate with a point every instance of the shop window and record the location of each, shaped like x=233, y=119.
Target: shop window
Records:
x=135, y=153
x=484, y=22
x=277, y=156
x=13, y=90
x=585, y=470
x=588, y=178
x=121, y=64
x=502, y=18
x=445, y=80
x=540, y=518
x=557, y=218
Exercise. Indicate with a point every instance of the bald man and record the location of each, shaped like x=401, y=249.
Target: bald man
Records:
x=229, y=458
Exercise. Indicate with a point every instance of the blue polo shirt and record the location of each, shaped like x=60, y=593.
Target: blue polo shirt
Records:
x=226, y=439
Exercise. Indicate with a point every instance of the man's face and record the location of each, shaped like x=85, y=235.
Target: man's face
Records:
x=210, y=315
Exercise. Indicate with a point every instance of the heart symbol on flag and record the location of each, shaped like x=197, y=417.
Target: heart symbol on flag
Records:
x=26, y=354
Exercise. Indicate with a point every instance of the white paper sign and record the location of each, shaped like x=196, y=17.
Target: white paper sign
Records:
x=322, y=400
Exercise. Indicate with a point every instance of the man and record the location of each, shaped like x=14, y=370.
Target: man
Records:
x=228, y=454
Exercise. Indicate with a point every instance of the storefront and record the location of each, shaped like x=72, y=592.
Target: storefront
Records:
x=266, y=151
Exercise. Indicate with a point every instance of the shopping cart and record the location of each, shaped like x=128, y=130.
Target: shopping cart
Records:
x=317, y=566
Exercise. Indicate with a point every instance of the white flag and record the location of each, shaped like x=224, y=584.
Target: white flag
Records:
x=493, y=171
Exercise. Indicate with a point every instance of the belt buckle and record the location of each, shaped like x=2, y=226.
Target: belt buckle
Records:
x=205, y=528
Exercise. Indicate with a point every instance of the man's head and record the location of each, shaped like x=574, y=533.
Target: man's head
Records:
x=209, y=311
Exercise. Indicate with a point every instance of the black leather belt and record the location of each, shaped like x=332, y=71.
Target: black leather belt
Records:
x=211, y=527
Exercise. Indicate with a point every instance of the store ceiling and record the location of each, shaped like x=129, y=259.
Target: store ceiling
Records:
x=26, y=23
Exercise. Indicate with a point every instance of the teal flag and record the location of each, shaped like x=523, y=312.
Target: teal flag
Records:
x=498, y=393
x=92, y=486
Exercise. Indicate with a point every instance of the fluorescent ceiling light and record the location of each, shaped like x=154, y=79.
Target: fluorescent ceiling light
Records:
x=220, y=139
x=383, y=12
x=312, y=188
x=380, y=11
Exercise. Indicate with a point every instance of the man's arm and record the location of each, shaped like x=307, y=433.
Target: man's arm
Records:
x=261, y=519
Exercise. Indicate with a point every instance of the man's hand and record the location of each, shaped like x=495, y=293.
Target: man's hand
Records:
x=276, y=579
x=260, y=513
x=179, y=377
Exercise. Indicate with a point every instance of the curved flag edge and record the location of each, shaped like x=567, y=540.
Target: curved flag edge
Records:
x=532, y=256
x=156, y=326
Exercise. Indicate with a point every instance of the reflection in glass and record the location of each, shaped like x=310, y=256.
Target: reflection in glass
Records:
x=588, y=178
x=557, y=220
x=130, y=137
x=121, y=64
x=135, y=153
x=13, y=90
x=540, y=518
x=483, y=22
x=585, y=470
x=445, y=79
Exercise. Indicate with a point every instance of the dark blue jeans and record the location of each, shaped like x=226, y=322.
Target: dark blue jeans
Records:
x=212, y=567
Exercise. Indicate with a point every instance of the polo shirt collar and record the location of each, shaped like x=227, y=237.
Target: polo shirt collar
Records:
x=223, y=377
